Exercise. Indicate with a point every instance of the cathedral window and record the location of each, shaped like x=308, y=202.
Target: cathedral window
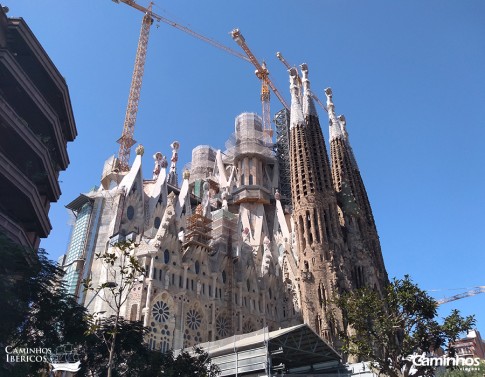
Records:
x=270, y=293
x=250, y=180
x=248, y=285
x=197, y=267
x=193, y=319
x=166, y=256
x=130, y=212
x=157, y=222
x=160, y=311
x=224, y=277
x=133, y=312
x=154, y=273
x=160, y=274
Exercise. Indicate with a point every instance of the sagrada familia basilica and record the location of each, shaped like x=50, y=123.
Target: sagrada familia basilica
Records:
x=228, y=250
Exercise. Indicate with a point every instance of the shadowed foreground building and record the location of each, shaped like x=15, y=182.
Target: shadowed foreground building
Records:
x=36, y=122
x=226, y=252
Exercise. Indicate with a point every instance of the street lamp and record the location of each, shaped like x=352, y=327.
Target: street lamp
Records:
x=108, y=284
x=71, y=263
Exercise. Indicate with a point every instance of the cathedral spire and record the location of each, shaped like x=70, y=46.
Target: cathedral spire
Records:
x=335, y=131
x=308, y=103
x=296, y=115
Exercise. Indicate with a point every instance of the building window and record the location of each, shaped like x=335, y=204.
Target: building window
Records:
x=166, y=256
x=224, y=276
x=197, y=267
x=130, y=212
x=156, y=222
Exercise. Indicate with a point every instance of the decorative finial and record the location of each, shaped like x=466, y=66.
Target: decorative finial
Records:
x=172, y=176
x=140, y=150
x=343, y=125
x=296, y=113
x=335, y=127
x=158, y=157
x=186, y=174
x=308, y=104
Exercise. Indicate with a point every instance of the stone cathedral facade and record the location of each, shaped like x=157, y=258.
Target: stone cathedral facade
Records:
x=224, y=253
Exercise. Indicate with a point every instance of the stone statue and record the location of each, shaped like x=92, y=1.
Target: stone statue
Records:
x=167, y=280
x=199, y=287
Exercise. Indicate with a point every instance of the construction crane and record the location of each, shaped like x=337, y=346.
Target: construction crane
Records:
x=262, y=73
x=126, y=140
x=472, y=292
x=314, y=96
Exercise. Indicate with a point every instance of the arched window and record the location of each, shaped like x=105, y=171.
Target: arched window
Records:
x=166, y=256
x=156, y=222
x=197, y=267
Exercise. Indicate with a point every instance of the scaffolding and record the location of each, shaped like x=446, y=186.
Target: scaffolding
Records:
x=198, y=230
x=203, y=162
x=282, y=149
x=225, y=233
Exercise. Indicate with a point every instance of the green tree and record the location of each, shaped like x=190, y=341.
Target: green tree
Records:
x=36, y=310
x=387, y=329
x=185, y=364
x=132, y=356
x=123, y=269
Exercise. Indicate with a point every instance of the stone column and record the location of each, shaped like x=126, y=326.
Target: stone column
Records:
x=149, y=293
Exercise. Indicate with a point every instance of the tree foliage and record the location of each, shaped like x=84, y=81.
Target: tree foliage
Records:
x=123, y=270
x=36, y=310
x=387, y=329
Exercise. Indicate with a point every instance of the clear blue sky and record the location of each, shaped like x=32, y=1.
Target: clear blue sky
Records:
x=408, y=75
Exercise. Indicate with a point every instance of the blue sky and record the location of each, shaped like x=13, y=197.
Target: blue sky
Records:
x=408, y=75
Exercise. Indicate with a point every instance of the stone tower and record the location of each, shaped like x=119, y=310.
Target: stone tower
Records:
x=320, y=246
x=359, y=227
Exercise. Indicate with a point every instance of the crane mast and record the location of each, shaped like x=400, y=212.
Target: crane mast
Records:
x=287, y=65
x=263, y=74
x=126, y=140
x=472, y=292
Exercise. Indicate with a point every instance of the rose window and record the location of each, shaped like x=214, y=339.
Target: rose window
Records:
x=222, y=326
x=248, y=327
x=160, y=311
x=193, y=319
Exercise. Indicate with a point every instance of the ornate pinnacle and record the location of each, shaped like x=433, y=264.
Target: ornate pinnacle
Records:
x=296, y=113
x=308, y=104
x=335, y=126
x=140, y=149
